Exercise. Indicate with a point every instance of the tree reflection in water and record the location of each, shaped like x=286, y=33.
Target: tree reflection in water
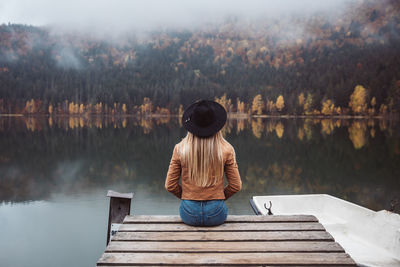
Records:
x=352, y=159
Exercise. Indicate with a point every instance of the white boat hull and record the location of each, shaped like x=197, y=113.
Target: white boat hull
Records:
x=370, y=238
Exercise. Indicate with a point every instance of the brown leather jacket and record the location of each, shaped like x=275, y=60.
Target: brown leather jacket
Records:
x=186, y=190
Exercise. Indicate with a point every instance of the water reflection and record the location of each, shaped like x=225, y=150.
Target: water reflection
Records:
x=353, y=159
x=358, y=130
x=357, y=134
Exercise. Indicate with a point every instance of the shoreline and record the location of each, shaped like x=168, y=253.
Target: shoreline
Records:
x=230, y=116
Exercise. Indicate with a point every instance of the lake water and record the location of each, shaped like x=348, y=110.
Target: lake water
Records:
x=55, y=172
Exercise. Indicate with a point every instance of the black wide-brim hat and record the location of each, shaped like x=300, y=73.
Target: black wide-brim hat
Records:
x=204, y=118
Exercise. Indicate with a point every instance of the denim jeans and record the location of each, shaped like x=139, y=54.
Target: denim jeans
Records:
x=203, y=213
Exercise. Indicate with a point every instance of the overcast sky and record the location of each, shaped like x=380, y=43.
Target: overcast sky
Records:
x=149, y=14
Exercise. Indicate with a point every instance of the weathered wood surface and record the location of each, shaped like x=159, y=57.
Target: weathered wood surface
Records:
x=231, y=259
x=111, y=193
x=120, y=207
x=242, y=241
x=231, y=218
x=223, y=236
x=226, y=227
x=212, y=246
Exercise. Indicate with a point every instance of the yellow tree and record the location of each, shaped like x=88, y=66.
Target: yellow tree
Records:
x=147, y=106
x=358, y=99
x=229, y=105
x=328, y=108
x=30, y=106
x=180, y=111
x=225, y=102
x=33, y=106
x=240, y=106
x=280, y=103
x=371, y=111
x=383, y=109
x=257, y=105
x=308, y=104
x=115, y=108
x=301, y=99
x=98, y=108
x=300, y=103
x=373, y=102
x=50, y=109
x=270, y=106
x=81, y=109
x=71, y=108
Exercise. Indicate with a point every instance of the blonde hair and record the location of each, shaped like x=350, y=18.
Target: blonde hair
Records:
x=204, y=158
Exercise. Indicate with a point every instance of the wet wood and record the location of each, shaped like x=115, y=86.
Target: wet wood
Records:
x=180, y=227
x=213, y=246
x=242, y=241
x=231, y=218
x=231, y=259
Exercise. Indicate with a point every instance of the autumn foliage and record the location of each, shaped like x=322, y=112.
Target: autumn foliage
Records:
x=358, y=98
x=341, y=66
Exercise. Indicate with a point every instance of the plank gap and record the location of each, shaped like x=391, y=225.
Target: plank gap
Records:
x=215, y=231
x=242, y=240
x=222, y=252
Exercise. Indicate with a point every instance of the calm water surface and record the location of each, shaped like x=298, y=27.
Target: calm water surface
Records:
x=54, y=174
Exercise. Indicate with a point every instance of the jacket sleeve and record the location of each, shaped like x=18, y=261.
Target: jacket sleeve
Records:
x=232, y=175
x=174, y=172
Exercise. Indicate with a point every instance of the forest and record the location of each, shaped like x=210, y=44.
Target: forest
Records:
x=349, y=65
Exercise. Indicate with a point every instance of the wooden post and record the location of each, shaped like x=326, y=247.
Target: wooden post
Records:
x=120, y=206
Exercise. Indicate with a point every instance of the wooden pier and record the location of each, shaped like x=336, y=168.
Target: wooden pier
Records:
x=248, y=240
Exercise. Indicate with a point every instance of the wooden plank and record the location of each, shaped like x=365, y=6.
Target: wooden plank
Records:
x=303, y=246
x=180, y=227
x=223, y=236
x=231, y=218
x=111, y=193
x=231, y=259
x=119, y=208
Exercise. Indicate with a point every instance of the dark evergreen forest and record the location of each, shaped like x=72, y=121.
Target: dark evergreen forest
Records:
x=232, y=60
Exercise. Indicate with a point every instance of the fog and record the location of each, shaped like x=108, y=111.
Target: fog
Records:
x=119, y=16
x=120, y=20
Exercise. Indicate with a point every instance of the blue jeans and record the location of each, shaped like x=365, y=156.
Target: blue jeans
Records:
x=203, y=213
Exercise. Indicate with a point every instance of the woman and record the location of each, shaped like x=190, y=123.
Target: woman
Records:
x=201, y=159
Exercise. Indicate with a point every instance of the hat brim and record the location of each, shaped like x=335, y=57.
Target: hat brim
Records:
x=220, y=120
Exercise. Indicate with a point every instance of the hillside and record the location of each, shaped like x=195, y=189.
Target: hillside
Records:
x=294, y=65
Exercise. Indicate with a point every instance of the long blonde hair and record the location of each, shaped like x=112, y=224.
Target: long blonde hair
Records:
x=204, y=158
